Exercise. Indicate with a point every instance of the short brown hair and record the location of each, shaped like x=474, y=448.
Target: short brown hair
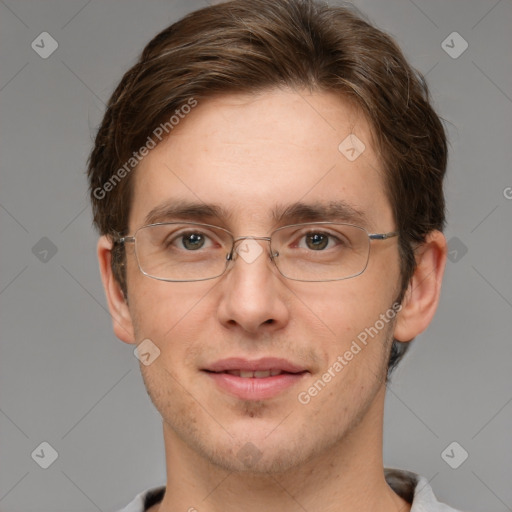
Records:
x=246, y=46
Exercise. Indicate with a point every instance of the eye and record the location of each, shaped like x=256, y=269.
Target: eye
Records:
x=193, y=241
x=317, y=241
x=188, y=241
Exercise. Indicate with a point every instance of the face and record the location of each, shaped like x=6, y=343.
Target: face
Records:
x=251, y=156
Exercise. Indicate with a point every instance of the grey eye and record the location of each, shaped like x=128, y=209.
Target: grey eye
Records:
x=193, y=241
x=317, y=241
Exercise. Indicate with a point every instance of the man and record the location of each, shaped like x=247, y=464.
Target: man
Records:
x=267, y=181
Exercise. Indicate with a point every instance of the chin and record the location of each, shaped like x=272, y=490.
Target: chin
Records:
x=250, y=459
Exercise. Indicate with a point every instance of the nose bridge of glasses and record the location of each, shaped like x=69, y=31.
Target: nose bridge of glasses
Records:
x=250, y=237
x=249, y=248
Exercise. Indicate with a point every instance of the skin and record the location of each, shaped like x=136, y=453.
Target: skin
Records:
x=249, y=154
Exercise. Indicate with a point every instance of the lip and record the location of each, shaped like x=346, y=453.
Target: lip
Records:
x=264, y=363
x=253, y=388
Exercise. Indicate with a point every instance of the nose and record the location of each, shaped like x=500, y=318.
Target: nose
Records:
x=252, y=291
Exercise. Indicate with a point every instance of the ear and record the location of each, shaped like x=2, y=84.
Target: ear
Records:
x=117, y=304
x=422, y=296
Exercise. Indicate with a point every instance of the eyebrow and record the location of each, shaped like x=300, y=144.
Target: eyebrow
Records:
x=185, y=210
x=335, y=211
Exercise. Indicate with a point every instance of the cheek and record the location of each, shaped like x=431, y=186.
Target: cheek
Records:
x=345, y=308
x=158, y=307
x=357, y=318
x=172, y=316
x=164, y=385
x=349, y=381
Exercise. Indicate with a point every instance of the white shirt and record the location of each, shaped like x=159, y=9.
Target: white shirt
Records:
x=412, y=487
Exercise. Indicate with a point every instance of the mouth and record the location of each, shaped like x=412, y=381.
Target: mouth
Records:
x=255, y=380
x=261, y=374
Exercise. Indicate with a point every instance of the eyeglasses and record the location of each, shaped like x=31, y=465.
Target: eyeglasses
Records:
x=187, y=251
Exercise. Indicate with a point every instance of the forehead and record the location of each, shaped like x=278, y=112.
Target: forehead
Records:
x=253, y=155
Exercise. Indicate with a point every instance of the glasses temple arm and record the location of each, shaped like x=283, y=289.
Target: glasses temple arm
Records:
x=382, y=236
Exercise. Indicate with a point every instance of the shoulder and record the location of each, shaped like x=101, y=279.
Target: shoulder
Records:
x=415, y=489
x=147, y=501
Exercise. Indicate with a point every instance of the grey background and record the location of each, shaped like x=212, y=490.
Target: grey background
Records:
x=64, y=377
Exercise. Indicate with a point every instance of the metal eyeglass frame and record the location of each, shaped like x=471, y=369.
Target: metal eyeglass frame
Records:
x=229, y=256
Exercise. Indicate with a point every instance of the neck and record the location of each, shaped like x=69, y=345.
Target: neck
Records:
x=346, y=477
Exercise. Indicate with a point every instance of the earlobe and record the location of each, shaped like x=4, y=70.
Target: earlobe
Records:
x=422, y=296
x=117, y=304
